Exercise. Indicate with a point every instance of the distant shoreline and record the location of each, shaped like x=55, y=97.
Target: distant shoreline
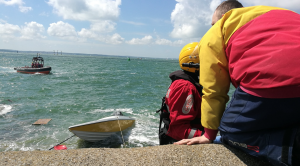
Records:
x=52, y=52
x=68, y=53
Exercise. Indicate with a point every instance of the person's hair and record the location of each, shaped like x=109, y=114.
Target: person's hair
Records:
x=226, y=6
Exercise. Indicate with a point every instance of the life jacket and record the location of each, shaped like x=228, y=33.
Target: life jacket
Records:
x=164, y=111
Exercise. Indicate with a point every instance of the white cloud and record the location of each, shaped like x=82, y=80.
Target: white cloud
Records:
x=97, y=30
x=19, y=3
x=159, y=41
x=99, y=12
x=24, y=9
x=180, y=42
x=9, y=31
x=85, y=33
x=2, y=21
x=87, y=10
x=90, y=34
x=163, y=42
x=143, y=41
x=103, y=26
x=133, y=23
x=44, y=14
x=191, y=18
x=12, y=2
x=176, y=42
x=290, y=4
x=62, y=30
x=115, y=39
x=32, y=30
x=214, y=4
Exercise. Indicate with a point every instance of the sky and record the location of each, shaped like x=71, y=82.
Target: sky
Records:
x=139, y=28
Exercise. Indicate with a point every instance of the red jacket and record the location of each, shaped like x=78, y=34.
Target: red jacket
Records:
x=184, y=103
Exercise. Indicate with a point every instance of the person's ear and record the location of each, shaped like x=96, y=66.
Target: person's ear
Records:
x=222, y=15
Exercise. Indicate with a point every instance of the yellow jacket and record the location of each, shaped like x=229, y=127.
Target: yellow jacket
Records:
x=214, y=74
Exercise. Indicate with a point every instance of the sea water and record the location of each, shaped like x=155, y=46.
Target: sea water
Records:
x=79, y=89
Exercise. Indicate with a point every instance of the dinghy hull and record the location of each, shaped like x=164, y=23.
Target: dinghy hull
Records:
x=101, y=129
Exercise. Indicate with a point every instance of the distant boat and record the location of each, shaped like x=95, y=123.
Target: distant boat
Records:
x=103, y=128
x=37, y=66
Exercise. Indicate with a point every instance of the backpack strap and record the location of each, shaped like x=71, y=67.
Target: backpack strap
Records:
x=163, y=115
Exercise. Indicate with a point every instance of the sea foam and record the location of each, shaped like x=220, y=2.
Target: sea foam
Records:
x=4, y=109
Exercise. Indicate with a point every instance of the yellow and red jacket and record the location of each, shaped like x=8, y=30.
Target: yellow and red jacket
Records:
x=256, y=48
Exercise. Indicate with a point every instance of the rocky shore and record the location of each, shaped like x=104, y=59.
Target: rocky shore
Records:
x=209, y=154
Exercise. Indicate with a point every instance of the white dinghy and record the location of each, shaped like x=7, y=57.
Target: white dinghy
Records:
x=103, y=128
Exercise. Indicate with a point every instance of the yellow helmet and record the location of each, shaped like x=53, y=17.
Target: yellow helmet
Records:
x=188, y=54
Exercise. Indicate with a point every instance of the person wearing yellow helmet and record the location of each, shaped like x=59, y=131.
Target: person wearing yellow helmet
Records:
x=189, y=55
x=180, y=112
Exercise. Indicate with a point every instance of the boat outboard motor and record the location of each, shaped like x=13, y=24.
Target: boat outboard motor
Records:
x=118, y=113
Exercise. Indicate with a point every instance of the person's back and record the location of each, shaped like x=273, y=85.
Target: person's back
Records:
x=182, y=114
x=262, y=48
x=260, y=57
x=257, y=48
x=184, y=104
